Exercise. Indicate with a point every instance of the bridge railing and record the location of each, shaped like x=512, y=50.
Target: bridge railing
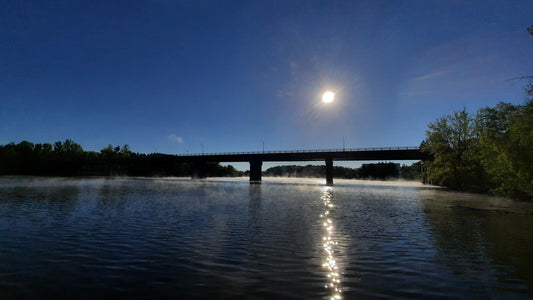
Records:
x=304, y=151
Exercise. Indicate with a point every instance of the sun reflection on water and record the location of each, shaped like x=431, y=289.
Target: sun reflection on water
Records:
x=329, y=245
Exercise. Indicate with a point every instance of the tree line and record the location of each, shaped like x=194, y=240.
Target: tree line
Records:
x=379, y=171
x=489, y=152
x=68, y=158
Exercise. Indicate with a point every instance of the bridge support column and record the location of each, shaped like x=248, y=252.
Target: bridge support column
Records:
x=329, y=171
x=199, y=170
x=255, y=171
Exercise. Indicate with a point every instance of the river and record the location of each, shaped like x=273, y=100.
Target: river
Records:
x=285, y=238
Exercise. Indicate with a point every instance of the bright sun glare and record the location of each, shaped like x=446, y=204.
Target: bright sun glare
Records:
x=328, y=97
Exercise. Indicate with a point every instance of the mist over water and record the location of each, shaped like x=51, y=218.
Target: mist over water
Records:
x=285, y=238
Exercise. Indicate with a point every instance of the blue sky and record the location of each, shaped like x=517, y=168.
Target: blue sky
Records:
x=171, y=76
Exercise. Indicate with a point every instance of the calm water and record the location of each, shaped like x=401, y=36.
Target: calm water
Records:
x=170, y=238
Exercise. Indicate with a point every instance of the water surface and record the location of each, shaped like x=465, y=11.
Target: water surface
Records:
x=285, y=238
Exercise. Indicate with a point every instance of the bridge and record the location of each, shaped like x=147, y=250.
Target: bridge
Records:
x=256, y=159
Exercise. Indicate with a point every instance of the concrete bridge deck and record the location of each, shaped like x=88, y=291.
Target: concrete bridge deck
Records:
x=382, y=153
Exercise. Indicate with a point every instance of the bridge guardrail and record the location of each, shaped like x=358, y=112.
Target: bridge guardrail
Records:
x=304, y=151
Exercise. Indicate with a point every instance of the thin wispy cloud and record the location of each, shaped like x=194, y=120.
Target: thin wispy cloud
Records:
x=174, y=138
x=431, y=75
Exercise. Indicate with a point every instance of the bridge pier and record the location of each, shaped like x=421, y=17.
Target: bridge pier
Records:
x=255, y=171
x=199, y=170
x=329, y=171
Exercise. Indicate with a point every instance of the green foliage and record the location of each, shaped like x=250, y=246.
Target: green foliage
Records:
x=488, y=153
x=508, y=157
x=412, y=172
x=452, y=140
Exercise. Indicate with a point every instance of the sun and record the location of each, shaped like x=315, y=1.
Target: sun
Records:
x=328, y=97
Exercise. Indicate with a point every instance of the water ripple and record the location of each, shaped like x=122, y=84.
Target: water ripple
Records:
x=174, y=238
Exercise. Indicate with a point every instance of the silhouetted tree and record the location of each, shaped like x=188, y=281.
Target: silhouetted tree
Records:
x=379, y=171
x=125, y=151
x=412, y=172
x=108, y=152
